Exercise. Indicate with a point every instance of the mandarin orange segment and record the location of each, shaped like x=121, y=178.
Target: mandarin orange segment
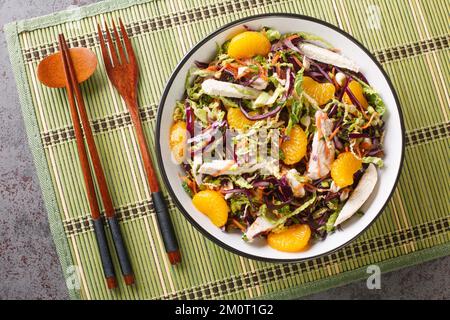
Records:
x=212, y=204
x=292, y=239
x=177, y=140
x=343, y=169
x=237, y=120
x=294, y=149
x=321, y=92
x=248, y=44
x=357, y=90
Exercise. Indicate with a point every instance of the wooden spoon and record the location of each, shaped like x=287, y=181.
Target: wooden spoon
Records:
x=50, y=71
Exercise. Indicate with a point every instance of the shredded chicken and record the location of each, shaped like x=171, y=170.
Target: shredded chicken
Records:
x=292, y=177
x=322, y=153
x=260, y=225
x=359, y=195
x=327, y=56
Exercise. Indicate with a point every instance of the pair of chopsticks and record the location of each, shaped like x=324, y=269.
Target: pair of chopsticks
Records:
x=75, y=98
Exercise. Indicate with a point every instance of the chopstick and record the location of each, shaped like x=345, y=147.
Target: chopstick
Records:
x=99, y=230
x=119, y=244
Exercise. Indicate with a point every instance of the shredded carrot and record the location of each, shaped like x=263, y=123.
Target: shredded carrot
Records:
x=319, y=127
x=336, y=85
x=366, y=145
x=327, y=150
x=243, y=74
x=297, y=61
x=364, y=114
x=212, y=68
x=307, y=184
x=233, y=71
x=259, y=193
x=234, y=65
x=334, y=133
x=239, y=225
x=218, y=173
x=242, y=62
x=275, y=58
x=262, y=72
x=356, y=149
x=363, y=111
x=193, y=185
x=294, y=36
x=190, y=183
x=370, y=121
x=333, y=78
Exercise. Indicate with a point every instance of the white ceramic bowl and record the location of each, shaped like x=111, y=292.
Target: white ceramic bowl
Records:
x=394, y=138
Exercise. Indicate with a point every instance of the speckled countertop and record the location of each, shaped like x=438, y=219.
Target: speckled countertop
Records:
x=29, y=267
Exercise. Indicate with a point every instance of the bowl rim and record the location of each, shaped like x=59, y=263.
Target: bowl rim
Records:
x=163, y=100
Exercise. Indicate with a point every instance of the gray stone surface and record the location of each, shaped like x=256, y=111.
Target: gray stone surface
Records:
x=29, y=267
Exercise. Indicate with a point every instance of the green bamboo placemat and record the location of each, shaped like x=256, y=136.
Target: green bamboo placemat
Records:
x=410, y=38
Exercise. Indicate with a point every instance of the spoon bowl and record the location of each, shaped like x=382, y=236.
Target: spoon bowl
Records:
x=50, y=70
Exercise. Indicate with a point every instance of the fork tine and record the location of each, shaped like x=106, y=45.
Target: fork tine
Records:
x=123, y=57
x=112, y=48
x=126, y=40
x=106, y=58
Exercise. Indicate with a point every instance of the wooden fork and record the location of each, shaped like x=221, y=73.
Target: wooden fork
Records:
x=123, y=72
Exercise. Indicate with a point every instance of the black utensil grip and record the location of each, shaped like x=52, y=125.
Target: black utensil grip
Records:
x=119, y=245
x=102, y=243
x=164, y=222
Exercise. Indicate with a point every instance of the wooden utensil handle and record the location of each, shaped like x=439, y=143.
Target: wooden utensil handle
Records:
x=143, y=147
x=164, y=221
x=119, y=245
x=97, y=166
x=121, y=250
x=105, y=257
x=97, y=220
